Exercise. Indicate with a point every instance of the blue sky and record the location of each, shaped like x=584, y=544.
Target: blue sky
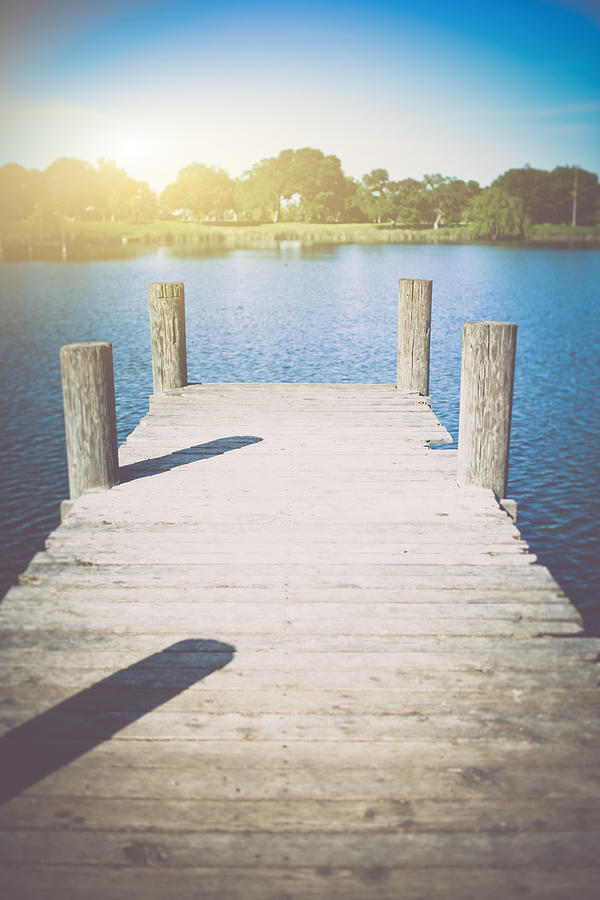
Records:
x=467, y=89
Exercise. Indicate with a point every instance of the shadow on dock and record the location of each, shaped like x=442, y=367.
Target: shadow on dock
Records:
x=147, y=467
x=65, y=732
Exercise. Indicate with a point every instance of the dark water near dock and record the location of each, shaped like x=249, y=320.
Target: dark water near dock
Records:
x=302, y=313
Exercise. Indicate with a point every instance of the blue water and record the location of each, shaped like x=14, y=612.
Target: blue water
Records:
x=318, y=314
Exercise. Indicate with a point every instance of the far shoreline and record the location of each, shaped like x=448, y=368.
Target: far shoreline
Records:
x=27, y=240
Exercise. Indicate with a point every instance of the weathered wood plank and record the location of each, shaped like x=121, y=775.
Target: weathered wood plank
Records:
x=497, y=529
x=434, y=652
x=415, y=575
x=414, y=850
x=500, y=815
x=366, y=677
x=151, y=882
x=40, y=589
x=224, y=623
x=368, y=616
x=440, y=770
x=329, y=727
x=568, y=702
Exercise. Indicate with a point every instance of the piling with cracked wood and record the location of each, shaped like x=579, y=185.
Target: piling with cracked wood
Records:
x=486, y=395
x=90, y=419
x=167, y=335
x=414, y=335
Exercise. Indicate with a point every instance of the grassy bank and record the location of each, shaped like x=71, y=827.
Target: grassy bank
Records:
x=562, y=234
x=158, y=231
x=240, y=234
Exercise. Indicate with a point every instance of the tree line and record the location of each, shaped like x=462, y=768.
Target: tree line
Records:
x=302, y=185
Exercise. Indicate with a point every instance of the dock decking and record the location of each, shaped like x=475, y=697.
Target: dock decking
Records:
x=287, y=657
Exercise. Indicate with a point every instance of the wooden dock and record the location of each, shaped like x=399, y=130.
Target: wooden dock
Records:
x=288, y=658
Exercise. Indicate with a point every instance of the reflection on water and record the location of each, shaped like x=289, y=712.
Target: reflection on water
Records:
x=167, y=245
x=80, y=251
x=315, y=313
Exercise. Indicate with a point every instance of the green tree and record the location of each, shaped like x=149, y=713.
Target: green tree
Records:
x=377, y=196
x=494, y=213
x=114, y=195
x=446, y=198
x=144, y=205
x=268, y=184
x=321, y=184
x=68, y=188
x=533, y=188
x=549, y=197
x=355, y=201
x=246, y=201
x=574, y=194
x=206, y=191
x=408, y=204
x=18, y=192
x=431, y=206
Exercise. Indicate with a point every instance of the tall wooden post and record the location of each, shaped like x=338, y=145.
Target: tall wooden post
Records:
x=414, y=331
x=90, y=420
x=486, y=392
x=167, y=335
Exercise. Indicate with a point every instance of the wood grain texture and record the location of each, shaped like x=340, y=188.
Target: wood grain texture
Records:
x=486, y=392
x=414, y=335
x=90, y=421
x=167, y=335
x=287, y=656
x=154, y=879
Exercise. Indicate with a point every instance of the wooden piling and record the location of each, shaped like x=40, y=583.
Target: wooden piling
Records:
x=414, y=331
x=90, y=420
x=167, y=335
x=486, y=391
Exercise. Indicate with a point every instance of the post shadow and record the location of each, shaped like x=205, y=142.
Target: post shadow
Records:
x=147, y=467
x=65, y=732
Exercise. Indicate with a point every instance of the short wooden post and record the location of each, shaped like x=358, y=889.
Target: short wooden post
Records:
x=414, y=331
x=167, y=335
x=90, y=420
x=486, y=392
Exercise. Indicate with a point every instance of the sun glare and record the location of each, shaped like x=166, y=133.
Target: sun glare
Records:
x=125, y=148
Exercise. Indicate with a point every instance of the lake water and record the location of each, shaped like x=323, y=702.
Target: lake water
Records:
x=297, y=313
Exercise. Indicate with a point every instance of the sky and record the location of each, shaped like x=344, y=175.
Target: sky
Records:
x=468, y=89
